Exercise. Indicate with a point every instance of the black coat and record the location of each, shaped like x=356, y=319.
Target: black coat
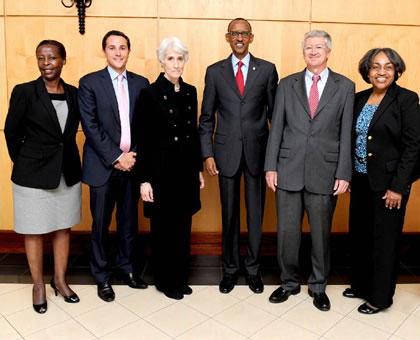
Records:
x=393, y=142
x=168, y=151
x=38, y=148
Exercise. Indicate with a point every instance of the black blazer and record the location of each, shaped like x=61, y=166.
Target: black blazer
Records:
x=169, y=156
x=393, y=139
x=38, y=148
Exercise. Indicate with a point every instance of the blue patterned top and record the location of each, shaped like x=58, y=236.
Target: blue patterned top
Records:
x=362, y=126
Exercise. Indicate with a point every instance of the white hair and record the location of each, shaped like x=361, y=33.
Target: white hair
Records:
x=172, y=43
x=318, y=34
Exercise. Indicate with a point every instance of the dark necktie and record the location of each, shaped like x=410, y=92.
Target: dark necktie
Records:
x=240, y=78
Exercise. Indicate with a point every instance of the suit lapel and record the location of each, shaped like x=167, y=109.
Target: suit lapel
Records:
x=70, y=105
x=110, y=93
x=386, y=101
x=253, y=73
x=46, y=101
x=131, y=92
x=330, y=89
x=227, y=71
x=300, y=90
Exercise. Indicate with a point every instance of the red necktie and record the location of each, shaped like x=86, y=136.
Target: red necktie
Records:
x=314, y=95
x=240, y=78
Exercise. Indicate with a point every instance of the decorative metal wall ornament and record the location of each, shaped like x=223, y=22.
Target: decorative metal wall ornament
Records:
x=81, y=11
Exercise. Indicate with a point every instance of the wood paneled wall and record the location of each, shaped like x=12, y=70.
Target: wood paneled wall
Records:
x=278, y=26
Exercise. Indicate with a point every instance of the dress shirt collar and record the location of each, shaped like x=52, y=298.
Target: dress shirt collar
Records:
x=323, y=75
x=114, y=74
x=245, y=60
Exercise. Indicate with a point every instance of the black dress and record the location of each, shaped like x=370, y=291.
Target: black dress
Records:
x=169, y=159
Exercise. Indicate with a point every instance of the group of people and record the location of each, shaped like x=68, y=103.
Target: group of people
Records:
x=143, y=140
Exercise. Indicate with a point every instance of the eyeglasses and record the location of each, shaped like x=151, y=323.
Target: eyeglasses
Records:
x=387, y=68
x=244, y=34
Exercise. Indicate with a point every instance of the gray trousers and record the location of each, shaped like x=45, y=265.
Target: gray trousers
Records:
x=290, y=208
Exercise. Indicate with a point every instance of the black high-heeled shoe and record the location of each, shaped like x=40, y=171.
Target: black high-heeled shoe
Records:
x=73, y=298
x=40, y=308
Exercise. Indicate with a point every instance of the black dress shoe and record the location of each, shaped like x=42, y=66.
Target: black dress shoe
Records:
x=133, y=281
x=321, y=301
x=173, y=293
x=186, y=290
x=255, y=283
x=73, y=298
x=105, y=291
x=366, y=309
x=349, y=293
x=281, y=295
x=227, y=284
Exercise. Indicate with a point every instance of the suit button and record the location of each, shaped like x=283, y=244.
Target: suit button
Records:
x=370, y=137
x=175, y=138
x=164, y=97
x=61, y=144
x=242, y=120
x=189, y=122
x=174, y=125
x=171, y=111
x=188, y=93
x=242, y=103
x=188, y=136
x=370, y=154
x=189, y=107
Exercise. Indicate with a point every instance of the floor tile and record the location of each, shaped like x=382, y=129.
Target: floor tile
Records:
x=211, y=330
x=138, y=330
x=210, y=301
x=7, y=332
x=281, y=329
x=176, y=319
x=261, y=301
x=350, y=329
x=146, y=301
x=410, y=329
x=10, y=287
x=28, y=321
x=89, y=300
x=122, y=291
x=67, y=330
x=240, y=292
x=409, y=287
x=416, y=312
x=106, y=319
x=244, y=318
x=405, y=301
x=16, y=300
x=388, y=320
x=308, y=316
x=339, y=303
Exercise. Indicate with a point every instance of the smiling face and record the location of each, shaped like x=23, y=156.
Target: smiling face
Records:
x=173, y=65
x=382, y=72
x=117, y=52
x=239, y=44
x=316, y=54
x=50, y=62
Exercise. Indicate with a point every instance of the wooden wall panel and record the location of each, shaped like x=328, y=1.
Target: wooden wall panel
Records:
x=402, y=12
x=3, y=77
x=110, y=8
x=351, y=42
x=1, y=7
x=250, y=9
x=6, y=209
x=84, y=53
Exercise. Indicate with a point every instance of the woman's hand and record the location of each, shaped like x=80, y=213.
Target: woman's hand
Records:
x=146, y=192
x=392, y=199
x=202, y=182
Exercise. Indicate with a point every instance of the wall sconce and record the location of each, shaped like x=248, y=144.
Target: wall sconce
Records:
x=81, y=11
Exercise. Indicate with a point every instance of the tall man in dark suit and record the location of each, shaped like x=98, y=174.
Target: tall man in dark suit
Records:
x=107, y=99
x=241, y=90
x=308, y=163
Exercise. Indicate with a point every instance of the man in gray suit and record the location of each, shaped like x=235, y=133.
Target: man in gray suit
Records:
x=241, y=90
x=308, y=163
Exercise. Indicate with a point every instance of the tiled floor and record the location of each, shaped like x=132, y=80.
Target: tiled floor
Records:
x=206, y=314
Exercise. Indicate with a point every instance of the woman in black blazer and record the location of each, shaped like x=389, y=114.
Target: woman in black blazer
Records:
x=170, y=167
x=40, y=131
x=386, y=144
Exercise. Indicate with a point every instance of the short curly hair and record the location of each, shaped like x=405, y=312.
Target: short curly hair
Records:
x=366, y=62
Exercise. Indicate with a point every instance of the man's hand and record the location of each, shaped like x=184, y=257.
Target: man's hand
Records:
x=271, y=179
x=340, y=186
x=126, y=162
x=211, y=166
x=202, y=182
x=392, y=199
x=146, y=192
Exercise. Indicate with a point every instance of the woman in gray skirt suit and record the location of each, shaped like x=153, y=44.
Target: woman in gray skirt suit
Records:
x=40, y=131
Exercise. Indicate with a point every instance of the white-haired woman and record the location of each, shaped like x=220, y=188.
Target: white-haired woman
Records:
x=169, y=167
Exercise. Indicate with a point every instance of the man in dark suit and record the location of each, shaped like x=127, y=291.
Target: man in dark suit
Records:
x=241, y=90
x=308, y=163
x=107, y=99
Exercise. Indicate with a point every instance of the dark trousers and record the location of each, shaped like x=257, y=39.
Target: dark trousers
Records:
x=254, y=202
x=171, y=238
x=121, y=190
x=375, y=233
x=290, y=208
